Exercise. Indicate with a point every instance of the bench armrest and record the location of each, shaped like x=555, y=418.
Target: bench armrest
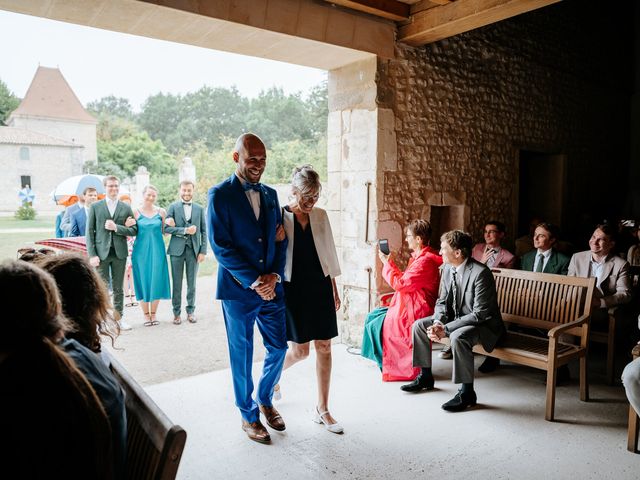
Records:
x=557, y=331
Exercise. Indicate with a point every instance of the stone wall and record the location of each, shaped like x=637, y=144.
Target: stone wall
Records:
x=450, y=120
x=556, y=81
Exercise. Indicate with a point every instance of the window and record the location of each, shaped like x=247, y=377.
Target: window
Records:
x=24, y=153
x=25, y=181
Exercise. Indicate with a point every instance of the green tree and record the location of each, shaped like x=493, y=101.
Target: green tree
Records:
x=112, y=106
x=128, y=153
x=8, y=102
x=278, y=117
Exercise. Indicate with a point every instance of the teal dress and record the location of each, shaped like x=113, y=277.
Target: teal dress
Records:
x=149, y=261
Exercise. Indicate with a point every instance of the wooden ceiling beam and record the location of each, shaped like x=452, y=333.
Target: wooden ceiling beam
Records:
x=433, y=24
x=390, y=9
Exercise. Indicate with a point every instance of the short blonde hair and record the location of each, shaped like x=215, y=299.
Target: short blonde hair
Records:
x=305, y=179
x=149, y=187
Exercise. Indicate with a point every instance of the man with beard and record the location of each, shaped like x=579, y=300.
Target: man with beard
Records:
x=243, y=216
x=185, y=223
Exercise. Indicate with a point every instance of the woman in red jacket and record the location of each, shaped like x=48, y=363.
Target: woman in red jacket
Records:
x=416, y=291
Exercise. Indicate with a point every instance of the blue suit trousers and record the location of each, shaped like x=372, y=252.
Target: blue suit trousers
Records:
x=239, y=320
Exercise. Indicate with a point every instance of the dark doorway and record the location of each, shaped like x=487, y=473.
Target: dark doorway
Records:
x=542, y=188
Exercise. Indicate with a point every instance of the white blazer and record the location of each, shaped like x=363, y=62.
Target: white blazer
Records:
x=322, y=239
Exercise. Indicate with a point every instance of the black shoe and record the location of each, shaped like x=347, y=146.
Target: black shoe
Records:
x=489, y=365
x=420, y=383
x=460, y=401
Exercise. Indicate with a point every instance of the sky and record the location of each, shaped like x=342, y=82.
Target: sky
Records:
x=97, y=63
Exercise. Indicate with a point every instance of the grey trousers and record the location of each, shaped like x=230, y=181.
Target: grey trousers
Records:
x=189, y=260
x=462, y=341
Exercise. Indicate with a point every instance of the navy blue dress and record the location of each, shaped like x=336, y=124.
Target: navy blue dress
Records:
x=311, y=311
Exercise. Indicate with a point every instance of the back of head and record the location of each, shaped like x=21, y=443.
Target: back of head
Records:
x=459, y=240
x=85, y=299
x=32, y=306
x=47, y=406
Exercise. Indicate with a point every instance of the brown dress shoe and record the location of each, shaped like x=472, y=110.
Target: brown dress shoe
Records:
x=274, y=420
x=191, y=317
x=256, y=431
x=177, y=320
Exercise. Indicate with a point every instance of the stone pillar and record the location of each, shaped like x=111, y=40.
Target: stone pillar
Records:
x=352, y=161
x=141, y=181
x=187, y=170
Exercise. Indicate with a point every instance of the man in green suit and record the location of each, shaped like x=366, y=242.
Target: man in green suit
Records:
x=545, y=258
x=187, y=248
x=109, y=223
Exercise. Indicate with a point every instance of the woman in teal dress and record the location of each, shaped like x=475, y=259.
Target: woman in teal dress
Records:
x=149, y=258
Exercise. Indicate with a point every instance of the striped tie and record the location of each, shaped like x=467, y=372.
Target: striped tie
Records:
x=454, y=291
x=540, y=263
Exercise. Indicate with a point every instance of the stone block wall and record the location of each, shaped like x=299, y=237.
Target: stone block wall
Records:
x=556, y=81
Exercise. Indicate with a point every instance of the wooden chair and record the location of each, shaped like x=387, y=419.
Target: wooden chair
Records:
x=634, y=423
x=154, y=443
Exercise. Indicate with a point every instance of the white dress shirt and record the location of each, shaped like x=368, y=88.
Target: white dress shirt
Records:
x=187, y=206
x=253, y=197
x=111, y=205
x=545, y=259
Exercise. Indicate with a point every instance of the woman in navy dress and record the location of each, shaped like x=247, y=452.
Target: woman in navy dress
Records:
x=149, y=258
x=311, y=295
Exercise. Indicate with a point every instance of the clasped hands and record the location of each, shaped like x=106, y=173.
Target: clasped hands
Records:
x=267, y=286
x=436, y=332
x=113, y=226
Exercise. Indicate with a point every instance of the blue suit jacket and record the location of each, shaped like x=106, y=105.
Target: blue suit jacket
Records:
x=238, y=241
x=78, y=223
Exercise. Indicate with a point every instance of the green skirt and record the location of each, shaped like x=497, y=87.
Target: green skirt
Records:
x=372, y=337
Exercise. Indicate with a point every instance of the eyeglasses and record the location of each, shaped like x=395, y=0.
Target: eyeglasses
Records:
x=308, y=198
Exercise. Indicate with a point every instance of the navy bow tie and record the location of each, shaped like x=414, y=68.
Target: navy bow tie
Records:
x=252, y=186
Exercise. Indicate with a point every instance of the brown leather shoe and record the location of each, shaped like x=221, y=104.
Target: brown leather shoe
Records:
x=273, y=418
x=191, y=317
x=177, y=320
x=256, y=431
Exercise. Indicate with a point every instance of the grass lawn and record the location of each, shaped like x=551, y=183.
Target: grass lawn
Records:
x=10, y=242
x=39, y=222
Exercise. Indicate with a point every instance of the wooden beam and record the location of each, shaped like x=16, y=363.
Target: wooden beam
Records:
x=445, y=21
x=390, y=9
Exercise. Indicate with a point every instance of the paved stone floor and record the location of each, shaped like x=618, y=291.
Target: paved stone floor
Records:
x=393, y=435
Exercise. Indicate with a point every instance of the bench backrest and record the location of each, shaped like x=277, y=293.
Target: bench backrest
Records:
x=542, y=300
x=154, y=443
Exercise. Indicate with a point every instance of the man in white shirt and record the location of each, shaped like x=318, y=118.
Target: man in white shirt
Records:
x=79, y=218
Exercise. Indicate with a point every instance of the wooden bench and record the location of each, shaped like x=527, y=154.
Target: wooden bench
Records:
x=154, y=443
x=556, y=304
x=634, y=424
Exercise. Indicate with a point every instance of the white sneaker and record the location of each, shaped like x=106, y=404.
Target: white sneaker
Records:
x=124, y=326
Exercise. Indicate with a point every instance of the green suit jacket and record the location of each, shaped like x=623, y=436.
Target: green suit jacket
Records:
x=558, y=262
x=178, y=235
x=99, y=239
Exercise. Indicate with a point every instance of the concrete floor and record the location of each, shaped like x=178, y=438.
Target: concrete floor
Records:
x=394, y=435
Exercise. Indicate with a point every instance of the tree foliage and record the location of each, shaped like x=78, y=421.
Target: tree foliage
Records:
x=203, y=125
x=8, y=102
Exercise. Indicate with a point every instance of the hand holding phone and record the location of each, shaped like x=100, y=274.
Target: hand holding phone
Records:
x=383, y=244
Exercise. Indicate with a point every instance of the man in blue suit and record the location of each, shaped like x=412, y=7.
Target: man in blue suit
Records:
x=79, y=217
x=242, y=217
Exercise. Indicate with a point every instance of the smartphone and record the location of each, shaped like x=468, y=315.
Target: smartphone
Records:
x=383, y=243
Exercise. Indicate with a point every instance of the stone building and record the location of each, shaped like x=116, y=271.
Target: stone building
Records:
x=49, y=137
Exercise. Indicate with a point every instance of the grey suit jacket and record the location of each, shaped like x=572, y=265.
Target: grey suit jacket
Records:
x=614, y=285
x=477, y=300
x=178, y=235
